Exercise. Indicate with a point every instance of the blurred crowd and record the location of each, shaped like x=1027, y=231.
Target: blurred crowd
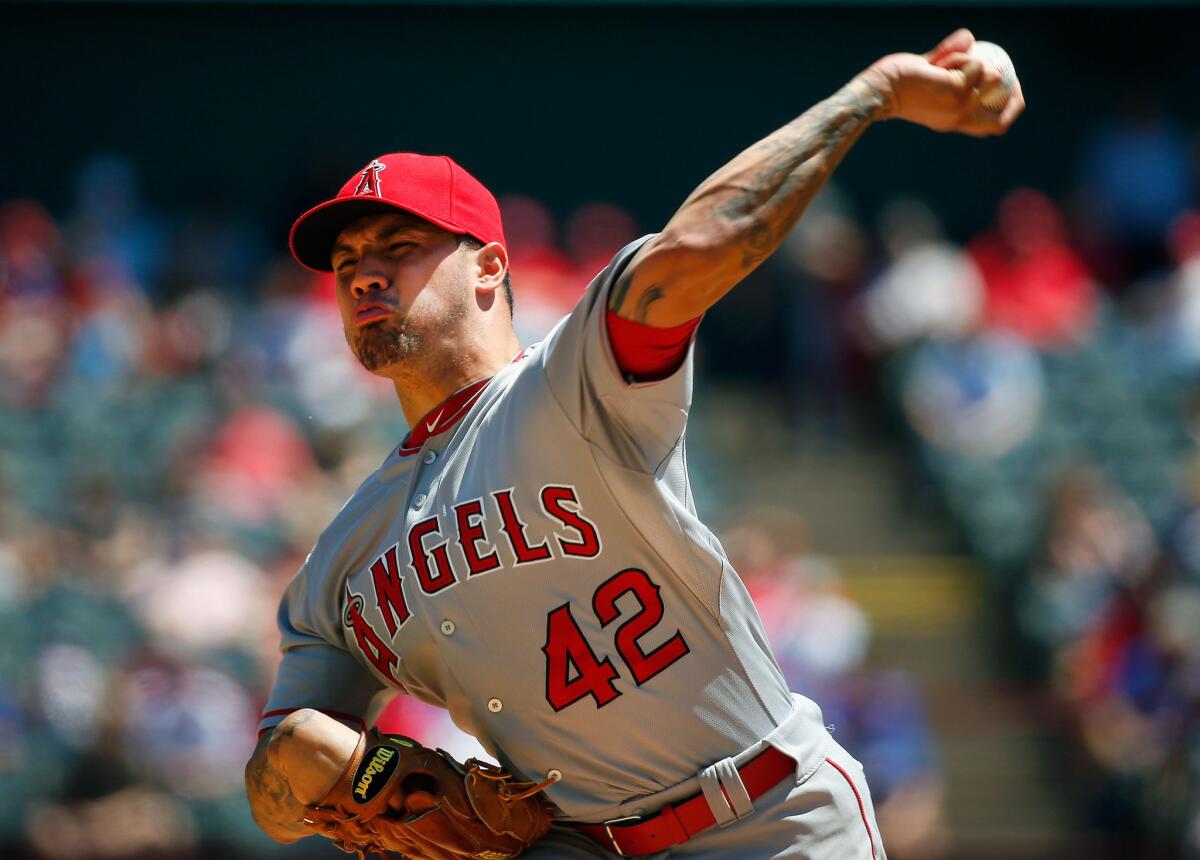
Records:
x=1048, y=373
x=180, y=417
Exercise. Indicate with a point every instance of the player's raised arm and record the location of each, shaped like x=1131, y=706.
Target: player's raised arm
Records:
x=738, y=216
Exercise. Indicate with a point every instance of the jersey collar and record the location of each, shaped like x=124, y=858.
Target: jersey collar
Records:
x=442, y=417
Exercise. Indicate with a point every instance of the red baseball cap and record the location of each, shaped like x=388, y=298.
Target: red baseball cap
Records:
x=432, y=187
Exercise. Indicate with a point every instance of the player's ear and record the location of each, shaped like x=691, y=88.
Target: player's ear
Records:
x=489, y=267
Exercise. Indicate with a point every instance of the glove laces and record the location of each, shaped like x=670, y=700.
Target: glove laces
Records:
x=506, y=793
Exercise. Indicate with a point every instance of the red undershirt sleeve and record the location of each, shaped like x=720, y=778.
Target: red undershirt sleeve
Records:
x=645, y=353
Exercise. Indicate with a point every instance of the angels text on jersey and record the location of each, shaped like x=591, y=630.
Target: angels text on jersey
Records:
x=573, y=669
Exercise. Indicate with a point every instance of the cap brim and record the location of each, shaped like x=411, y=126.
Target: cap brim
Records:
x=315, y=232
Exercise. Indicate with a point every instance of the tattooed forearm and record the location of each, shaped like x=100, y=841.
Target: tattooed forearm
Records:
x=738, y=216
x=764, y=191
x=271, y=802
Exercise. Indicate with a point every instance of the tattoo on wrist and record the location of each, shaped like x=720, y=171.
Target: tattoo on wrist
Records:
x=270, y=794
x=294, y=721
x=879, y=98
x=274, y=800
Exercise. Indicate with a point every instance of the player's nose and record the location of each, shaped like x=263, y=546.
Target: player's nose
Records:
x=372, y=274
x=368, y=280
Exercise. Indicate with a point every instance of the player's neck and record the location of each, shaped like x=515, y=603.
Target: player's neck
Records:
x=422, y=392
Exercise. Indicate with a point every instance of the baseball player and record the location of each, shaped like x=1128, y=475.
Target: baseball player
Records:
x=529, y=557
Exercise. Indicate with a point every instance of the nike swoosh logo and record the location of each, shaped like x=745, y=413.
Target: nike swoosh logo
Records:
x=429, y=425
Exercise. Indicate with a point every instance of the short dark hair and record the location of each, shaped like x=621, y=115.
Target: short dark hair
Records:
x=473, y=244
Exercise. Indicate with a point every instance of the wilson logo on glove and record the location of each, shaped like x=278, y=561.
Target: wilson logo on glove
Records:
x=398, y=796
x=381, y=763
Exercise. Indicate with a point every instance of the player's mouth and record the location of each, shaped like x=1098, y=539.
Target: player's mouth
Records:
x=370, y=312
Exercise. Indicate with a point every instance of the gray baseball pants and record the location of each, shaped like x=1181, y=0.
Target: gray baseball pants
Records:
x=828, y=816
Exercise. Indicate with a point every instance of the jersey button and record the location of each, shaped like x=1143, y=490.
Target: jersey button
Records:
x=495, y=705
x=429, y=457
x=418, y=500
x=448, y=627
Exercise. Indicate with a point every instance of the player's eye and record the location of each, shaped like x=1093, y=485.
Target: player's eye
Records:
x=396, y=246
x=345, y=264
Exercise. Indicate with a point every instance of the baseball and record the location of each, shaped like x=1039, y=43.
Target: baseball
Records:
x=991, y=54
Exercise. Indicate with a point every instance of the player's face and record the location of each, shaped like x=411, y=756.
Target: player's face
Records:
x=400, y=285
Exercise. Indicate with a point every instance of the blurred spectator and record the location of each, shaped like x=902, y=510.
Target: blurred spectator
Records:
x=1136, y=176
x=545, y=283
x=211, y=598
x=1095, y=540
x=928, y=287
x=188, y=728
x=1167, y=304
x=31, y=252
x=826, y=260
x=978, y=398
x=1119, y=626
x=133, y=823
x=1037, y=288
x=33, y=345
x=113, y=330
x=109, y=223
x=256, y=461
x=71, y=689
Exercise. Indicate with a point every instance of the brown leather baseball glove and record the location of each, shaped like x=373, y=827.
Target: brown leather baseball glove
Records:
x=396, y=795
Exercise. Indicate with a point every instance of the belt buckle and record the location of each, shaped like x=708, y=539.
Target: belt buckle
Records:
x=628, y=819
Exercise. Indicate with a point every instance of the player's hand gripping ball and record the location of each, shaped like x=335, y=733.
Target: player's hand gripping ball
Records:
x=995, y=96
x=396, y=795
x=961, y=86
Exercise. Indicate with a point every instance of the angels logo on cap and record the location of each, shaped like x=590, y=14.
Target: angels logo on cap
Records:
x=432, y=187
x=369, y=184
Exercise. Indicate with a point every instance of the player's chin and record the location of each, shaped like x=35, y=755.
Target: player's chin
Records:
x=380, y=347
x=376, y=364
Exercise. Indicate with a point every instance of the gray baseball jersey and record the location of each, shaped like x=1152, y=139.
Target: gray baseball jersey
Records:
x=532, y=561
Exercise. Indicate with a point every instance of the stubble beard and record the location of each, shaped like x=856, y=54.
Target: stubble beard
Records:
x=385, y=344
x=396, y=345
